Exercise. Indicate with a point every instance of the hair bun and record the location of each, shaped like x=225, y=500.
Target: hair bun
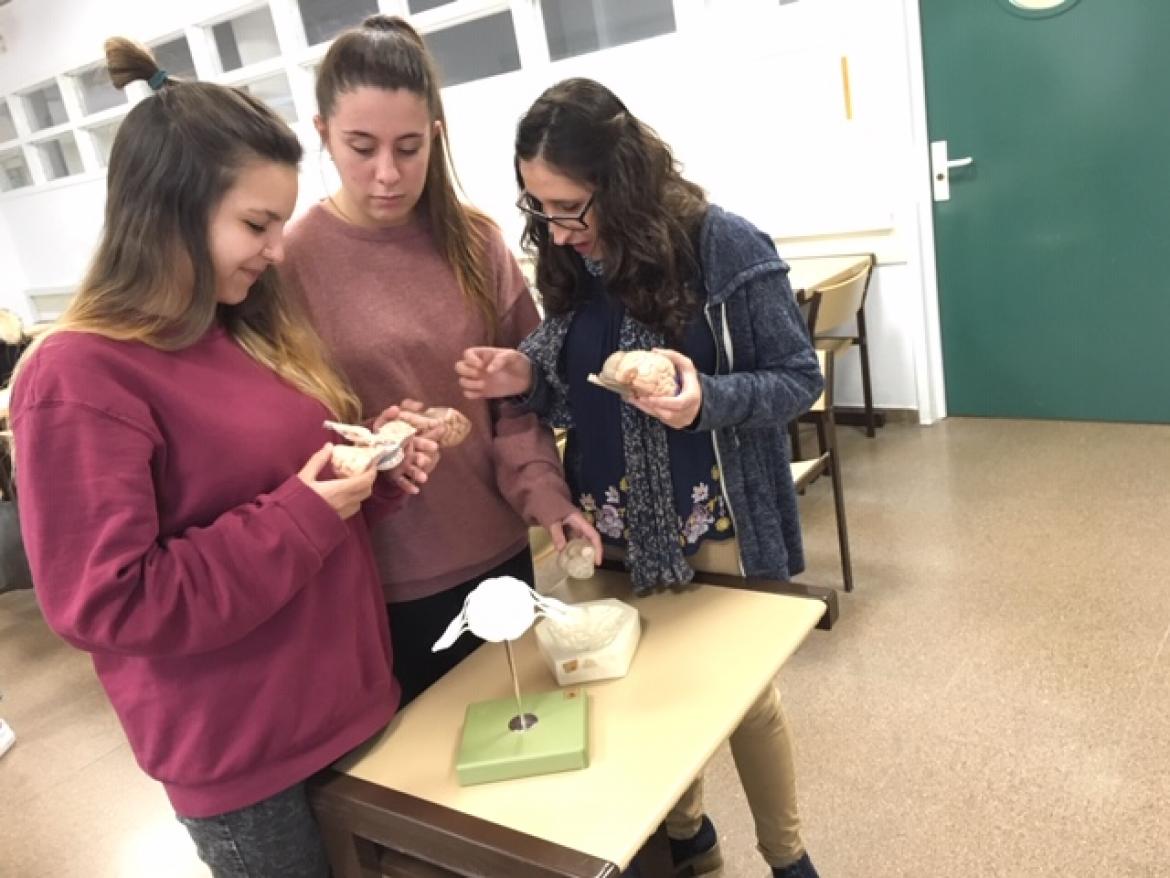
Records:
x=381, y=22
x=128, y=61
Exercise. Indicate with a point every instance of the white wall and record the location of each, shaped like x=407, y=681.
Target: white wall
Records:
x=748, y=93
x=52, y=229
x=12, y=281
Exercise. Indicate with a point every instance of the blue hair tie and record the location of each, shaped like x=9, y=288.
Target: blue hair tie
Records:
x=157, y=80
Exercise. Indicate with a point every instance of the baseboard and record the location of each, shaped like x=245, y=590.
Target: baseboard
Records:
x=854, y=415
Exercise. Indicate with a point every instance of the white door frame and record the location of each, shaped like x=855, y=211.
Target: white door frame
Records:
x=928, y=359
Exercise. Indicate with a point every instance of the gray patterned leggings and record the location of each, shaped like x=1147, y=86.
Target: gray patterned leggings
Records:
x=275, y=838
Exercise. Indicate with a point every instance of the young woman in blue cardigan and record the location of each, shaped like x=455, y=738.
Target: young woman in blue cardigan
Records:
x=630, y=255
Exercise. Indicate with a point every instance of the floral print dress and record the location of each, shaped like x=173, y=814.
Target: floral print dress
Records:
x=597, y=475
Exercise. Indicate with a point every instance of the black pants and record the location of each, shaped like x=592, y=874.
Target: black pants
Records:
x=416, y=625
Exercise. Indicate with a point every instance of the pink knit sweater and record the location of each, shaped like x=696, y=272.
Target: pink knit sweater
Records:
x=389, y=308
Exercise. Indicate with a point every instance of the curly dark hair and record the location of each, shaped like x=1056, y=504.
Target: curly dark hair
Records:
x=648, y=214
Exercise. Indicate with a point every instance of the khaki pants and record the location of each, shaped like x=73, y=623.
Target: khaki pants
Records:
x=762, y=750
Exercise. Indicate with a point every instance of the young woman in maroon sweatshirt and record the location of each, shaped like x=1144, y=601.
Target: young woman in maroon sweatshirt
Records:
x=180, y=515
x=400, y=277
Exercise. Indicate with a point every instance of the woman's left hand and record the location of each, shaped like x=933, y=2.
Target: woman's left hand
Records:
x=421, y=458
x=682, y=409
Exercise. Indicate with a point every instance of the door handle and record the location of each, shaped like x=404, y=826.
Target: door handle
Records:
x=940, y=168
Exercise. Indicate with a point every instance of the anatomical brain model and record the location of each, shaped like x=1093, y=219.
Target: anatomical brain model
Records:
x=384, y=448
x=638, y=373
x=445, y=425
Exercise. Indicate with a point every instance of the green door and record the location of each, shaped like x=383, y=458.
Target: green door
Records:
x=1051, y=251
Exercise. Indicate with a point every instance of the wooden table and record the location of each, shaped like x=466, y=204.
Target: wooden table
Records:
x=394, y=807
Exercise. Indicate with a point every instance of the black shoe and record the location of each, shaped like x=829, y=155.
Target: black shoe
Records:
x=802, y=868
x=698, y=854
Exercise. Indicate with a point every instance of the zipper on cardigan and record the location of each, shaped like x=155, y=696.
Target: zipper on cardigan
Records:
x=715, y=433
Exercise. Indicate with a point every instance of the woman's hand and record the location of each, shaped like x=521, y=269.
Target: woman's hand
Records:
x=491, y=373
x=577, y=524
x=345, y=495
x=682, y=409
x=421, y=458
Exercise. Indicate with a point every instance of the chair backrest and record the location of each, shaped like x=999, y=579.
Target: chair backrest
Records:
x=823, y=403
x=718, y=556
x=841, y=301
x=11, y=328
x=810, y=306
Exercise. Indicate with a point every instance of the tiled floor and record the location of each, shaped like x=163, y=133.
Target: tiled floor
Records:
x=995, y=700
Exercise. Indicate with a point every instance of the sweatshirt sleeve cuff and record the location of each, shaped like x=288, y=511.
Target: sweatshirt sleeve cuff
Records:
x=703, y=421
x=322, y=526
x=549, y=508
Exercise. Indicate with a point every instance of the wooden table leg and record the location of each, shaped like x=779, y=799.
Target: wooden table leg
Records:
x=351, y=856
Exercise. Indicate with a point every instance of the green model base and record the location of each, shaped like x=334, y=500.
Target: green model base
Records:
x=559, y=741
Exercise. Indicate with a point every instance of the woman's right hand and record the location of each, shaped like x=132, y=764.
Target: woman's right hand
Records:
x=491, y=373
x=345, y=495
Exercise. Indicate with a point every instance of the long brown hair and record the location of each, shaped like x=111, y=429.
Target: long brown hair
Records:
x=175, y=156
x=386, y=52
x=648, y=214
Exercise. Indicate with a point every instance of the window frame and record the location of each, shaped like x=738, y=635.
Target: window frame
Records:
x=295, y=57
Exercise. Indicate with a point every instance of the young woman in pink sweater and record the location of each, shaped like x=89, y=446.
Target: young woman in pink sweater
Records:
x=177, y=502
x=400, y=277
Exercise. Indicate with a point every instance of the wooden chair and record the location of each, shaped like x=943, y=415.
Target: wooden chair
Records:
x=840, y=303
x=805, y=471
x=810, y=306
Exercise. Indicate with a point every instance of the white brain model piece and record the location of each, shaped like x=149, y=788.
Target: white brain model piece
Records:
x=596, y=627
x=383, y=449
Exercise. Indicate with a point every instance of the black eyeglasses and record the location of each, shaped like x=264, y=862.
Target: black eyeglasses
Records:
x=529, y=205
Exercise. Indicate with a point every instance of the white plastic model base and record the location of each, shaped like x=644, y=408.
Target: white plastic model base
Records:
x=612, y=660
x=7, y=737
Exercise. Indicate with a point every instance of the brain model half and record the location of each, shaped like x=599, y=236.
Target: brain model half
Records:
x=638, y=373
x=450, y=425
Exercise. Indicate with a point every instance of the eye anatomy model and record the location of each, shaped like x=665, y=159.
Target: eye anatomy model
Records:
x=637, y=374
x=502, y=609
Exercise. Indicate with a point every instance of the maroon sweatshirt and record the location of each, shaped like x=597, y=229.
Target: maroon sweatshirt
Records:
x=234, y=619
x=388, y=306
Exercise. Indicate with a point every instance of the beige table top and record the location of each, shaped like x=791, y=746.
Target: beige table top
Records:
x=704, y=657
x=813, y=272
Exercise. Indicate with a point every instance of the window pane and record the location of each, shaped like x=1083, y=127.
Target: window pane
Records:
x=574, y=28
x=14, y=173
x=274, y=91
x=246, y=40
x=60, y=157
x=175, y=58
x=103, y=140
x=476, y=49
x=417, y=6
x=45, y=107
x=7, y=126
x=325, y=19
x=97, y=92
